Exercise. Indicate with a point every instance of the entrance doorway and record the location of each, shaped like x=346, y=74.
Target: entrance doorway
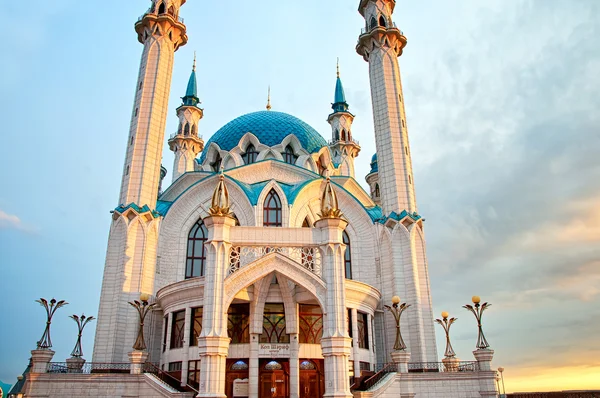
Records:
x=236, y=378
x=312, y=382
x=274, y=378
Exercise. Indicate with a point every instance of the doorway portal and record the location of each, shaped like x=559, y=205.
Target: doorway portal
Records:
x=274, y=378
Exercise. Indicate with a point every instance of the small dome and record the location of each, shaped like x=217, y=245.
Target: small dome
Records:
x=270, y=128
x=374, y=166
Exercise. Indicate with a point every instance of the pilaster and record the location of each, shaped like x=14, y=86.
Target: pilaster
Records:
x=213, y=342
x=294, y=365
x=487, y=376
x=253, y=365
x=335, y=343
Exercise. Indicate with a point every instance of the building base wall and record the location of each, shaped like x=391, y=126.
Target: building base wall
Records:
x=430, y=385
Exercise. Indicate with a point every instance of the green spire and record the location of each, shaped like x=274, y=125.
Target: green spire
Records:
x=339, y=102
x=191, y=94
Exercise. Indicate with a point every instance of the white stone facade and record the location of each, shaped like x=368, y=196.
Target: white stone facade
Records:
x=272, y=292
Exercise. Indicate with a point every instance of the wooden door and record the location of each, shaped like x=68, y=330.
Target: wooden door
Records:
x=274, y=384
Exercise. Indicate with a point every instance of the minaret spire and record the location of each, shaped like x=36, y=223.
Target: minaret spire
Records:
x=269, y=99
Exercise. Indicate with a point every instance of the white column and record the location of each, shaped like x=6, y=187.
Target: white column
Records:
x=253, y=365
x=168, y=342
x=213, y=343
x=370, y=331
x=294, y=366
x=186, y=346
x=335, y=344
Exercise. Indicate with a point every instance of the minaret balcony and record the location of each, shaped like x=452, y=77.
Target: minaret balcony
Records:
x=175, y=19
x=368, y=30
x=344, y=142
x=196, y=137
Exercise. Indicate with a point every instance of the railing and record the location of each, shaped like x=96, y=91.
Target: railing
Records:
x=309, y=257
x=425, y=367
x=184, y=135
x=167, y=378
x=178, y=19
x=333, y=142
x=88, y=368
x=368, y=383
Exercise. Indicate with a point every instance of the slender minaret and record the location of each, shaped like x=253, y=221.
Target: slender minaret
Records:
x=343, y=147
x=130, y=264
x=380, y=44
x=162, y=32
x=404, y=260
x=186, y=143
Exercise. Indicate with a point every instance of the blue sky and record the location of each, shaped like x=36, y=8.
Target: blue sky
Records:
x=502, y=102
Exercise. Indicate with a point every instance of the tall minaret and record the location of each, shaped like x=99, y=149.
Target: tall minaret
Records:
x=130, y=266
x=343, y=147
x=186, y=143
x=162, y=32
x=380, y=44
x=404, y=259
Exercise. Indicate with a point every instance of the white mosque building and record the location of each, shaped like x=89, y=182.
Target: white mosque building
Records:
x=266, y=260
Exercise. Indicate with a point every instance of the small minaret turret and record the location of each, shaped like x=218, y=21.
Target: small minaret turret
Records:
x=186, y=143
x=162, y=32
x=343, y=147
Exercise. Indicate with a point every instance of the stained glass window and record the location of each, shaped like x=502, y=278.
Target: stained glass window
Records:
x=311, y=324
x=238, y=323
x=274, y=324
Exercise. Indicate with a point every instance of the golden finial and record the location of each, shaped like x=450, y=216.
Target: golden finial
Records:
x=338, y=67
x=220, y=198
x=329, y=202
x=194, y=67
x=269, y=99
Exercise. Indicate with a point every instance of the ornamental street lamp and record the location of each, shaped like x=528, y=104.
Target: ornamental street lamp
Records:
x=397, y=309
x=81, y=322
x=477, y=310
x=142, y=308
x=446, y=323
x=45, y=342
x=501, y=370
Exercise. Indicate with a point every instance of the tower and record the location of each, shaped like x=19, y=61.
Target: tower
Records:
x=130, y=264
x=186, y=143
x=380, y=44
x=162, y=32
x=343, y=147
x=403, y=249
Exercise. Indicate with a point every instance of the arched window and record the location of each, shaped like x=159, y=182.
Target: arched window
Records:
x=306, y=223
x=377, y=190
x=216, y=165
x=347, y=255
x=289, y=156
x=272, y=210
x=172, y=10
x=382, y=21
x=373, y=23
x=161, y=8
x=250, y=155
x=343, y=135
x=186, y=129
x=196, y=252
x=194, y=130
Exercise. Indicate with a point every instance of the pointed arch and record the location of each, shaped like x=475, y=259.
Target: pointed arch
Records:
x=289, y=156
x=372, y=23
x=172, y=10
x=272, y=210
x=347, y=255
x=377, y=192
x=194, y=130
x=343, y=135
x=196, y=250
x=382, y=21
x=261, y=201
x=250, y=155
x=186, y=129
x=161, y=8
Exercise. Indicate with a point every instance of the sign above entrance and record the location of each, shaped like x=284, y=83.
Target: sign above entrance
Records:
x=273, y=350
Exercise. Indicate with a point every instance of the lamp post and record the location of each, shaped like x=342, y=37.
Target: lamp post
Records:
x=397, y=309
x=142, y=308
x=477, y=310
x=446, y=323
x=501, y=370
x=81, y=322
x=45, y=342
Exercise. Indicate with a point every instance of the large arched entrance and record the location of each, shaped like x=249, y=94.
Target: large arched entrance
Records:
x=285, y=324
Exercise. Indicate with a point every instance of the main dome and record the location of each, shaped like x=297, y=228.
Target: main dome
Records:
x=270, y=128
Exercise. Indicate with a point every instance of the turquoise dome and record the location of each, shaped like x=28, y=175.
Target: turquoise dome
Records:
x=374, y=165
x=270, y=128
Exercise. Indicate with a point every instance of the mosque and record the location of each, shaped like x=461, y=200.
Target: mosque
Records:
x=267, y=264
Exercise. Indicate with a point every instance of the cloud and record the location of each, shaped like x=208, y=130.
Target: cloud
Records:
x=10, y=221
